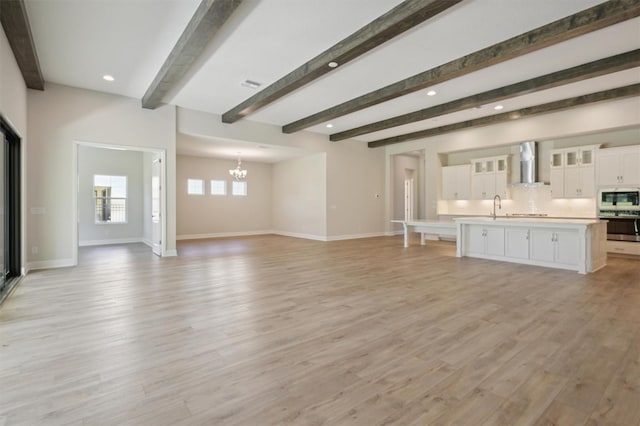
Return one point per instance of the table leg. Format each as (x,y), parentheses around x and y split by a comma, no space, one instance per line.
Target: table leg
(406,235)
(422,238)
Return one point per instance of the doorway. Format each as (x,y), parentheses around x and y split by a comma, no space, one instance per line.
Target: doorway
(409,195)
(10,209)
(144,198)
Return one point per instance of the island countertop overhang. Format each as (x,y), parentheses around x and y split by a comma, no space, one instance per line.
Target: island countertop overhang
(529,221)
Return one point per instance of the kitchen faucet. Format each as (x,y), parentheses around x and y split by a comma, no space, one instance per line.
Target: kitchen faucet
(497,197)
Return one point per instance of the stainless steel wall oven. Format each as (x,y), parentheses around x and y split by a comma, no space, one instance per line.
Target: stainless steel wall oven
(621,207)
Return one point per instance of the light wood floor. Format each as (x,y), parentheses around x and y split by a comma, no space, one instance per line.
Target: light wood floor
(275,330)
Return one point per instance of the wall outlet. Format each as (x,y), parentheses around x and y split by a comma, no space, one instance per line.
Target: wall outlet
(34,250)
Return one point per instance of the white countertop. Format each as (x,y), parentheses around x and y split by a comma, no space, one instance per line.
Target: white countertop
(528,221)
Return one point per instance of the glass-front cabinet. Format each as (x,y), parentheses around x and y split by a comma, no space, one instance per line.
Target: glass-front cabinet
(573,172)
(489,177)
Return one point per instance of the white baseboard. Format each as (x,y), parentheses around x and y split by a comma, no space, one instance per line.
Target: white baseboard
(87,243)
(284,234)
(170,253)
(221,235)
(355,236)
(49,264)
(147,242)
(297,235)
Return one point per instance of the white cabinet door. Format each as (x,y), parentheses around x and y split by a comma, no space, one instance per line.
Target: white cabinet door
(475,238)
(455,183)
(587,182)
(579,182)
(572,182)
(463,182)
(608,168)
(484,240)
(516,242)
(567,246)
(542,245)
(449,185)
(483,187)
(631,167)
(495,240)
(501,185)
(557,182)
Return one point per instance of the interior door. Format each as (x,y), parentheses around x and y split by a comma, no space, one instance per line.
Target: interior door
(156,223)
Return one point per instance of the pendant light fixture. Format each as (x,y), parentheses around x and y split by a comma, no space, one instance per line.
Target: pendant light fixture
(238,173)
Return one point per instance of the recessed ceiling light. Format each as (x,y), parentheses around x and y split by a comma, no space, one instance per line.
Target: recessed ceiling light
(108,77)
(431,93)
(498,107)
(332,64)
(250,84)
(329,126)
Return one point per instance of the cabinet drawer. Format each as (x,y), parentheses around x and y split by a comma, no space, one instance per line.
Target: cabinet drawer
(623,247)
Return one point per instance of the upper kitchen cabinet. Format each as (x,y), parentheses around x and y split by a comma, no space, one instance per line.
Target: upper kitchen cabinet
(489,177)
(619,166)
(573,172)
(456,182)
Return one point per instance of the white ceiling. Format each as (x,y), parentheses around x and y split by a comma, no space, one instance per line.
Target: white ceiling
(78,41)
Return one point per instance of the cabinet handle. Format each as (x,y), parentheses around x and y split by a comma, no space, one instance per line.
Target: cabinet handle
(528,234)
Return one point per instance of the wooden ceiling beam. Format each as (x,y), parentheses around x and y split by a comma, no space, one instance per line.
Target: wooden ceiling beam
(593,69)
(600,16)
(606,95)
(401,18)
(203,26)
(13,15)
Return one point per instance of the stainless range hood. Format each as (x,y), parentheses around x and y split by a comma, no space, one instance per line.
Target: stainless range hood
(528,165)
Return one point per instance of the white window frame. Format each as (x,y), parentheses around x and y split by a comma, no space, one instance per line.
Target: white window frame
(212,185)
(241,184)
(189,180)
(104,199)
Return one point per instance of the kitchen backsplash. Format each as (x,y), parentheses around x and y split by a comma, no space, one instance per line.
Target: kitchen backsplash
(524,200)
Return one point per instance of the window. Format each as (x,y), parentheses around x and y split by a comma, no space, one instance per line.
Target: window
(110,193)
(239,188)
(218,187)
(195,187)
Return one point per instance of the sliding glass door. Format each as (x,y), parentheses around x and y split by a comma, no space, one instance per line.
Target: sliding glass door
(3,214)
(10,233)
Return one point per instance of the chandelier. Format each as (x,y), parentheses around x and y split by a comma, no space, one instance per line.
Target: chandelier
(238,173)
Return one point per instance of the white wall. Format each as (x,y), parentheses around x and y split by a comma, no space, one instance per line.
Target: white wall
(57,118)
(585,120)
(202,216)
(355,190)
(13,91)
(98,161)
(353,175)
(13,108)
(299,197)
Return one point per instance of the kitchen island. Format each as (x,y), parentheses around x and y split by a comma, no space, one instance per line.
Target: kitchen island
(575,244)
